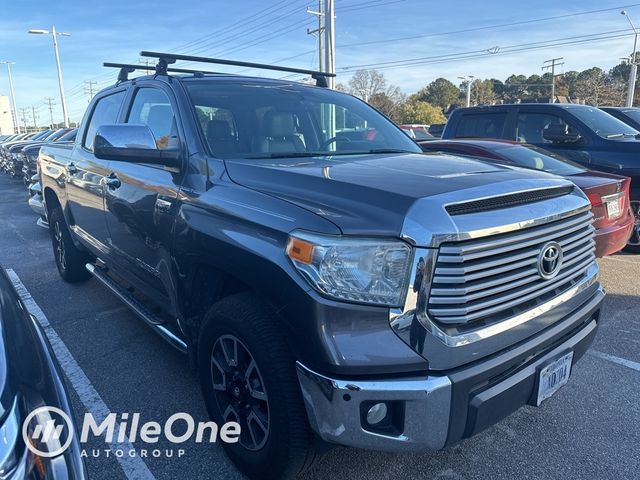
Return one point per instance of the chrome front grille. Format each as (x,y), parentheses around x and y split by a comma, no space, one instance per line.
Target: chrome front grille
(493,278)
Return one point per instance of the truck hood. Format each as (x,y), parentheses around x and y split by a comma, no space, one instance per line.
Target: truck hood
(369,194)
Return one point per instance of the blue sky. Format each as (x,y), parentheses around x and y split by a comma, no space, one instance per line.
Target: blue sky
(116,30)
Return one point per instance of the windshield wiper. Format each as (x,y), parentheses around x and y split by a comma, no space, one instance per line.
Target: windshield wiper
(384,150)
(287,155)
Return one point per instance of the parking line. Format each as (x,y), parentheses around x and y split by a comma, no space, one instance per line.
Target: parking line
(134,467)
(612,358)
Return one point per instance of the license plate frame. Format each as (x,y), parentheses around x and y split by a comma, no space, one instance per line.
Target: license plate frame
(614,205)
(553,376)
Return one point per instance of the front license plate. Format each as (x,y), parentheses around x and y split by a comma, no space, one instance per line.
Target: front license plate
(613,209)
(554,376)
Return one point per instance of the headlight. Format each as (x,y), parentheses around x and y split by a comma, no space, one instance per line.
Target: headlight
(364,270)
(9,437)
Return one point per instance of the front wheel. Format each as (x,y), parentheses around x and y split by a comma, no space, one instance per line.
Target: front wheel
(248,376)
(634,242)
(70,260)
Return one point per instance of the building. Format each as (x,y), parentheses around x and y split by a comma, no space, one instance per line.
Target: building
(6,119)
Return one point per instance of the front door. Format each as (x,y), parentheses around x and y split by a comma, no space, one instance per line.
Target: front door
(140,200)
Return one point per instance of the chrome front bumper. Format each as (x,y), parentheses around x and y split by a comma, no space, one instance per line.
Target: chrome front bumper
(333,408)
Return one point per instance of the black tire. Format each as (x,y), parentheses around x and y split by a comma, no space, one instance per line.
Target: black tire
(287,449)
(70,260)
(634,242)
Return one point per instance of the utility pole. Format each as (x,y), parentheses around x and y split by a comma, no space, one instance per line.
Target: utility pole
(330,41)
(631,88)
(89,88)
(35,117)
(24,112)
(468,79)
(14,114)
(318,31)
(50,103)
(552,64)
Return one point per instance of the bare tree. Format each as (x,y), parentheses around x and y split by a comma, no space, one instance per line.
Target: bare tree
(367,83)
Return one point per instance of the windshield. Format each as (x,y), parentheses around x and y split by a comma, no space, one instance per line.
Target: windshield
(632,113)
(42,134)
(539,159)
(603,124)
(256,120)
(70,136)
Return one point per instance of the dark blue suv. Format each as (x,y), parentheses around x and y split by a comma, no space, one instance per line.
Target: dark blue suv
(581,133)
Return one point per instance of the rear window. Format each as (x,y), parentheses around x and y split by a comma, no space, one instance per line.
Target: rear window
(481,125)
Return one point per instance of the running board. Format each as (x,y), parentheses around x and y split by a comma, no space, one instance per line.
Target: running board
(149,318)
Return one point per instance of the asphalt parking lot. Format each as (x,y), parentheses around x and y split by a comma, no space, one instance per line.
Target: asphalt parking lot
(589,429)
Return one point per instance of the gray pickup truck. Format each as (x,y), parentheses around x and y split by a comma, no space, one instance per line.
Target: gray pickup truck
(330,283)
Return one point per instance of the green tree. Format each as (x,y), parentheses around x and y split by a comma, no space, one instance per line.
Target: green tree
(416,111)
(482,92)
(440,92)
(514,88)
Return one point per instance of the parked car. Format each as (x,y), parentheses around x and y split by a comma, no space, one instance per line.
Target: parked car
(628,115)
(16,158)
(416,132)
(347,287)
(435,129)
(32,177)
(8,149)
(583,134)
(30,378)
(608,193)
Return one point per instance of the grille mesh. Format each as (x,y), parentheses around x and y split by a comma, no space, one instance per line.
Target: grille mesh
(492,278)
(506,201)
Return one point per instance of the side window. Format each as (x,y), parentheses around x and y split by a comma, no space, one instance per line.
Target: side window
(105,112)
(531,125)
(151,107)
(481,125)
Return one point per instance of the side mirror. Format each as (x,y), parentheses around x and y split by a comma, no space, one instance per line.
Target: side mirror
(560,133)
(132,143)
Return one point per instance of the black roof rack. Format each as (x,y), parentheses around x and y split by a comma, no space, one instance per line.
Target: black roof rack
(165,59)
(127,68)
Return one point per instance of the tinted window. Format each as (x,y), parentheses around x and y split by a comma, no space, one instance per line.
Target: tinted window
(254,120)
(481,125)
(530,126)
(603,124)
(105,112)
(152,107)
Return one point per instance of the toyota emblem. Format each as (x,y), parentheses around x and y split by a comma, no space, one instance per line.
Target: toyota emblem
(550,260)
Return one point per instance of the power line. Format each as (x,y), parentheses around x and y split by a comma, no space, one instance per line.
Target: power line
(552,64)
(487,27)
(493,51)
(89,88)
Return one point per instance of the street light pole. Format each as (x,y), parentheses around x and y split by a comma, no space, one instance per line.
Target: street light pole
(631,88)
(55,35)
(14,116)
(468,79)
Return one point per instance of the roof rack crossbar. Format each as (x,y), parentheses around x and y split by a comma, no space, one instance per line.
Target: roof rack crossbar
(319,77)
(126,68)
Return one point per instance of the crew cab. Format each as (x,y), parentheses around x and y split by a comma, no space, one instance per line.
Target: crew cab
(581,133)
(325,285)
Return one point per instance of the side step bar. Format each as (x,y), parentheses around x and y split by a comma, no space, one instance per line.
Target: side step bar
(149,318)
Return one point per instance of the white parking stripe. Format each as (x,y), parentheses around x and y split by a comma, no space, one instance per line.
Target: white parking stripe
(612,358)
(133,467)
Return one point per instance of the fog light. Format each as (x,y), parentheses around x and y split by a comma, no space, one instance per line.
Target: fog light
(377,413)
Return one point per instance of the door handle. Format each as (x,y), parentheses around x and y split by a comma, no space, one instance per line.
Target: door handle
(71,168)
(112,182)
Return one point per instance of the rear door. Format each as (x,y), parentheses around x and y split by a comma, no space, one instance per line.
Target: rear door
(85,176)
(531,122)
(140,204)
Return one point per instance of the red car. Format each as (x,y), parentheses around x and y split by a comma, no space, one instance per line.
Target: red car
(609,194)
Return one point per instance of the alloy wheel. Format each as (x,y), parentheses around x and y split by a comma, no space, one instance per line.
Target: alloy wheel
(635,236)
(240,391)
(60,251)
